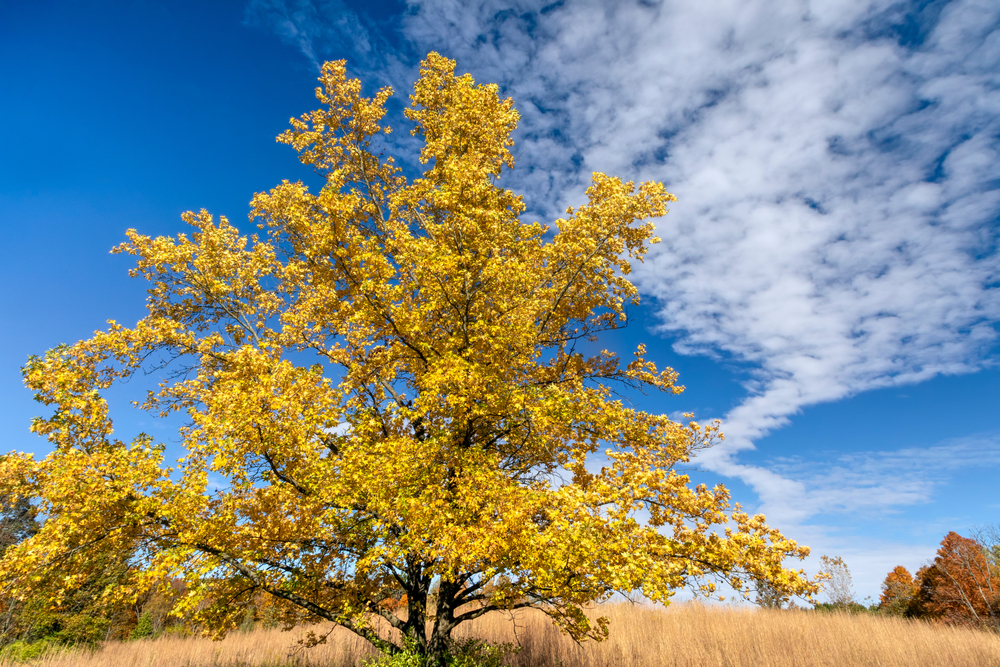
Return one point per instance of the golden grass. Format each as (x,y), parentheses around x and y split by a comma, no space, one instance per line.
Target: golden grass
(683,636)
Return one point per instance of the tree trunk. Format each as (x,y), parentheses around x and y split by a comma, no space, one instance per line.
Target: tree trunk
(444,623)
(414,631)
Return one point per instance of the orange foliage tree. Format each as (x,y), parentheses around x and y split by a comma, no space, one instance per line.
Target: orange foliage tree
(898,592)
(961,585)
(447,430)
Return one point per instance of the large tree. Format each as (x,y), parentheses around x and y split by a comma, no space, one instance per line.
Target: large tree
(389,391)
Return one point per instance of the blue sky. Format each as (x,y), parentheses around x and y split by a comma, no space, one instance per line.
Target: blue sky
(828,281)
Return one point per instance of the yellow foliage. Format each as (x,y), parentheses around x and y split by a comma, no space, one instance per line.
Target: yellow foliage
(389,383)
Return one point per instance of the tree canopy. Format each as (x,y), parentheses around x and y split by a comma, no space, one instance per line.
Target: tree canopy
(390,384)
(898,591)
(962,584)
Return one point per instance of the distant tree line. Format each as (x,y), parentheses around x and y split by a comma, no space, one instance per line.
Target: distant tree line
(961,586)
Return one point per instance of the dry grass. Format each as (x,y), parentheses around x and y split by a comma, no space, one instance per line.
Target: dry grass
(684,635)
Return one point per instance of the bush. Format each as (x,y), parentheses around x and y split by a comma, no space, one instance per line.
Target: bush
(462,653)
(144,630)
(849,608)
(477,653)
(61,629)
(248,623)
(22,651)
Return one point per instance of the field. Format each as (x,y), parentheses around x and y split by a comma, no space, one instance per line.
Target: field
(683,636)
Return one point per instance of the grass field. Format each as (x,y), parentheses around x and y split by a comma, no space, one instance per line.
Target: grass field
(682,636)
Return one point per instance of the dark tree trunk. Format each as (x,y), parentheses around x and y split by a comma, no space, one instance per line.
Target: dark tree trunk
(416,620)
(444,623)
(417,589)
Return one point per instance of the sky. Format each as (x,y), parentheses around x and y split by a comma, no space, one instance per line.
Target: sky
(828,283)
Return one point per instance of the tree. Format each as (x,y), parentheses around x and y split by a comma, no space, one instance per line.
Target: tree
(838,587)
(79,614)
(962,584)
(769,597)
(447,428)
(17,523)
(898,592)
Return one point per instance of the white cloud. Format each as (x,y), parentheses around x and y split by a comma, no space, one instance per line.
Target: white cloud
(838,191)
(878,482)
(837,221)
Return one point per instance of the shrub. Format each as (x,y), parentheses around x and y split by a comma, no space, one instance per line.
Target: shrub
(848,608)
(467,652)
(144,629)
(23,651)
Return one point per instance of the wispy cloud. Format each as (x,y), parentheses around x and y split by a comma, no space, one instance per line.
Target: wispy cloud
(879,482)
(836,168)
(329,30)
(320,30)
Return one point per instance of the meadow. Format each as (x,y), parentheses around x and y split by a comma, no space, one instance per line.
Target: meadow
(684,635)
